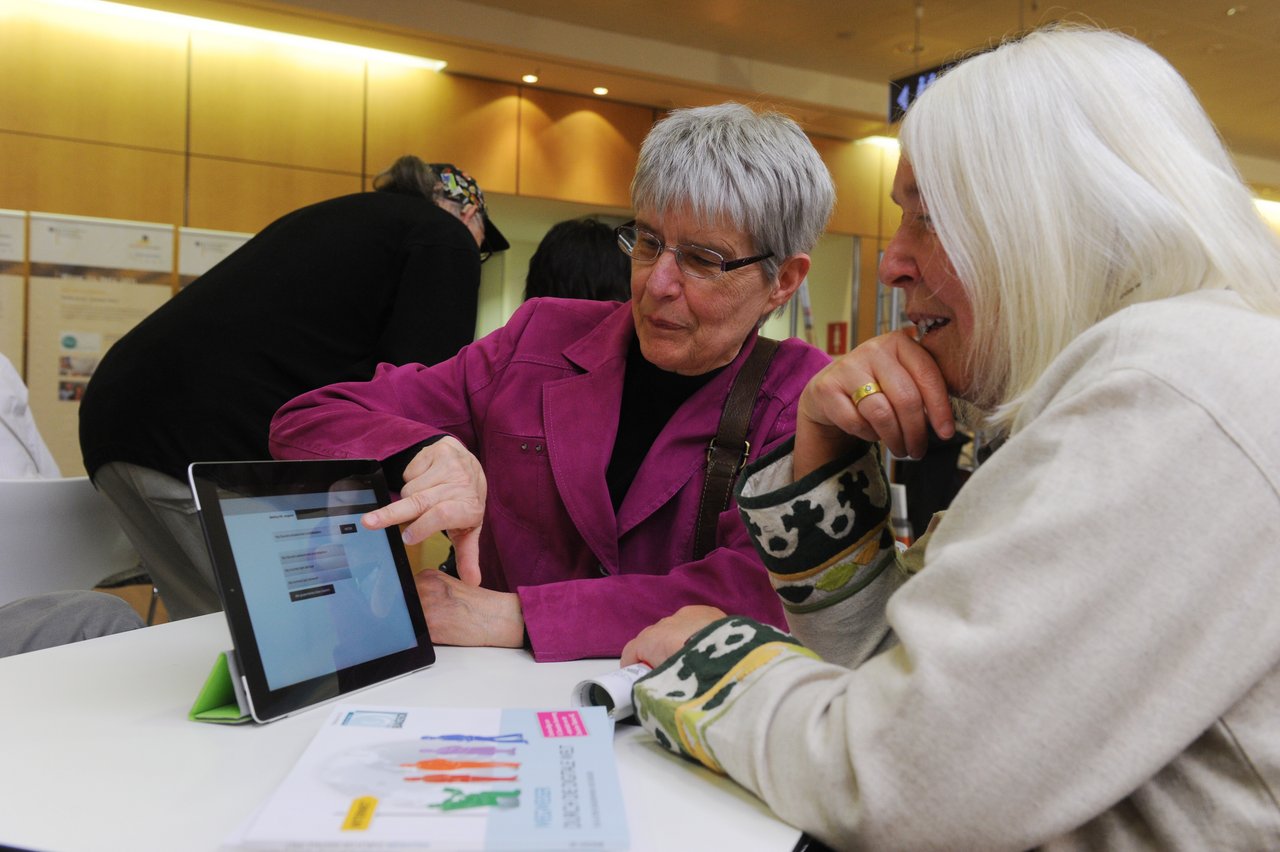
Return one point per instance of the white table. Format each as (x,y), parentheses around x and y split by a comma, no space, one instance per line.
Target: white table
(97,753)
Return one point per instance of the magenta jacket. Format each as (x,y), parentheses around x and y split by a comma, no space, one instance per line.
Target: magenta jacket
(537,402)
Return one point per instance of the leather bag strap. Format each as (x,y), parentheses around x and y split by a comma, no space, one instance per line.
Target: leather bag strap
(728,450)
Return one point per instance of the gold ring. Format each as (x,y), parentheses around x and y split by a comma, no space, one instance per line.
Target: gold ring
(865,391)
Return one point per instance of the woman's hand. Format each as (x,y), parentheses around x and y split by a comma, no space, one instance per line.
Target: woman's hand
(912,395)
(658,641)
(444,489)
(458,614)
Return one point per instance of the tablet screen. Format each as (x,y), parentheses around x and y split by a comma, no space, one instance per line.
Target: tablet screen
(317,604)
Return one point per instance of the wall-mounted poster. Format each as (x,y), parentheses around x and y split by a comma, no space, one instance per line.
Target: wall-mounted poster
(13,261)
(91,280)
(199,250)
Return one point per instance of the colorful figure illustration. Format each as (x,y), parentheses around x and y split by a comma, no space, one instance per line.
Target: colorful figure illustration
(457,800)
(457,779)
(473,738)
(446,764)
(480,750)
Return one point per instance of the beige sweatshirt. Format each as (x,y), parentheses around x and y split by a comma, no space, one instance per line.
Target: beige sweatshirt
(1090,657)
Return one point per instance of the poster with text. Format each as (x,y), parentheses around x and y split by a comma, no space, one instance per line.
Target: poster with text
(200,250)
(91,280)
(13,261)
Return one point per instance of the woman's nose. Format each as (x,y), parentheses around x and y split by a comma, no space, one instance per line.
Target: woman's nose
(665,275)
(898,265)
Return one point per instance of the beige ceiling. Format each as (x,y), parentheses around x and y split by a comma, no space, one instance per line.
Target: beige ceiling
(831,60)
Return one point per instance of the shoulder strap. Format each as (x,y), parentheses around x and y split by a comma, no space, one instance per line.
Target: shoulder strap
(727,452)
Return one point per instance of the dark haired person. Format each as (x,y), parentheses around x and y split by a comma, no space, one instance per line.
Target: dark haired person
(579,259)
(323,294)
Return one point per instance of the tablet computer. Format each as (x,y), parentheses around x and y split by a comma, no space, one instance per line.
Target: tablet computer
(318,606)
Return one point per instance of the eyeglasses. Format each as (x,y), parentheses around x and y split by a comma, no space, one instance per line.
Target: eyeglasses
(644,247)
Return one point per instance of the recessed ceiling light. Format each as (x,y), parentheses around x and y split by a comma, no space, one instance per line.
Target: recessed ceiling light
(1268,208)
(886,142)
(530,78)
(600,90)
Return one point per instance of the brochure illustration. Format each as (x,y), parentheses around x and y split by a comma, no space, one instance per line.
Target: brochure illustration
(437,778)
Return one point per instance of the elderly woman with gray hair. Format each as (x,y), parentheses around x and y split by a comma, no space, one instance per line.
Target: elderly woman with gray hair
(566,454)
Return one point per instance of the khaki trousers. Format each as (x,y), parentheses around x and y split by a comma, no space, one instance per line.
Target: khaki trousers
(159,516)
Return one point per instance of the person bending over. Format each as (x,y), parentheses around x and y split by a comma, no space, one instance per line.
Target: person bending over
(323,294)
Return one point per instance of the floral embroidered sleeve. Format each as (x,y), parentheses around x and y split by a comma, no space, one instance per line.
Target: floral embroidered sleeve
(824,539)
(675,701)
(831,557)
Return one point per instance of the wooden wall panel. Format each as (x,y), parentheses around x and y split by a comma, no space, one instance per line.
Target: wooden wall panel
(443,119)
(890,214)
(251,100)
(88,179)
(861,192)
(91,76)
(233,196)
(579,149)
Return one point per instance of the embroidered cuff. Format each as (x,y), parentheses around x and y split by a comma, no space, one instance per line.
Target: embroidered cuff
(680,700)
(824,537)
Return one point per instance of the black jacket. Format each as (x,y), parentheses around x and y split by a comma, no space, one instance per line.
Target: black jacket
(321,295)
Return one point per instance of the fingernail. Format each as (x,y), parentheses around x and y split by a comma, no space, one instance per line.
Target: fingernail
(407,537)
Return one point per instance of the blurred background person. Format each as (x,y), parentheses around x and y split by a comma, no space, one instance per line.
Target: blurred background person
(579,259)
(23,453)
(43,621)
(323,294)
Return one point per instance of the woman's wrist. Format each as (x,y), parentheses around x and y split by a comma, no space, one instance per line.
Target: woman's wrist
(817,444)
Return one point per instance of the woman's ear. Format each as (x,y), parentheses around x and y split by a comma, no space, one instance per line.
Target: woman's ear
(791,274)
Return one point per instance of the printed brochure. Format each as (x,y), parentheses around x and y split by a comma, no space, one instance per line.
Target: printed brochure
(410,778)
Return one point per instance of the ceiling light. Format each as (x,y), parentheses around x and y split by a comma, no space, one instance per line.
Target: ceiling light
(530,78)
(886,142)
(239,30)
(1269,209)
(600,90)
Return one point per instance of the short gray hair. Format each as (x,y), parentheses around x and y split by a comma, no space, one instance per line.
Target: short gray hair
(753,170)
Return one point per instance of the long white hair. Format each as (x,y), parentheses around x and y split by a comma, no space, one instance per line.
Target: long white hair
(1070,173)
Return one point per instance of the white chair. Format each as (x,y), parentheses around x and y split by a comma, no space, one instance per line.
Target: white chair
(57,535)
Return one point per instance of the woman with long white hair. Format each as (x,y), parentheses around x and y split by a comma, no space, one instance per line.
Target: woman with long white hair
(1084,650)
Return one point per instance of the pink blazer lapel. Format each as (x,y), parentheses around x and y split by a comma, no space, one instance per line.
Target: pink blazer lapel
(580,415)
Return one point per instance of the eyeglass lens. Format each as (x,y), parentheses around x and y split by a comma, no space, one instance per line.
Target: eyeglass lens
(645,247)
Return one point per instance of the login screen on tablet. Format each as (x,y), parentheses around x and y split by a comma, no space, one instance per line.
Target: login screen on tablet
(322,591)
